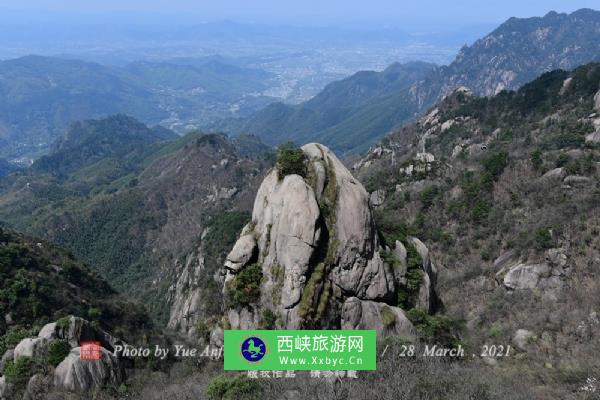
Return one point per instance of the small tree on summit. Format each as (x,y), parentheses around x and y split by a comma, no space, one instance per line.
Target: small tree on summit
(290,160)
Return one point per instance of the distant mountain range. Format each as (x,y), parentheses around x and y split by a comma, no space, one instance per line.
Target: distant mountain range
(337,105)
(368,105)
(119,140)
(128,199)
(41,96)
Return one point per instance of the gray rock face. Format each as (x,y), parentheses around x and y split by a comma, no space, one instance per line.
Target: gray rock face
(523,338)
(186,296)
(78,329)
(3,387)
(503,260)
(78,375)
(73,330)
(243,319)
(8,355)
(556,173)
(593,137)
(377,198)
(361,314)
(524,276)
(242,253)
(216,336)
(48,331)
(549,274)
(29,347)
(427,297)
(72,373)
(576,180)
(316,242)
(37,388)
(285,217)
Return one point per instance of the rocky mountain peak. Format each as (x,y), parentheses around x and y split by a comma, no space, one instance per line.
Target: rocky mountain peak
(312,255)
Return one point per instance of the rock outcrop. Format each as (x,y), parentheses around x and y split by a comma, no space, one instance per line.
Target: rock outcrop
(3,387)
(77,375)
(549,274)
(594,137)
(30,347)
(8,355)
(361,314)
(522,338)
(185,295)
(74,330)
(72,373)
(322,262)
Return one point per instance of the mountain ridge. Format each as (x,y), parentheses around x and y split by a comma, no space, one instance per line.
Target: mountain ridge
(41,96)
(517,51)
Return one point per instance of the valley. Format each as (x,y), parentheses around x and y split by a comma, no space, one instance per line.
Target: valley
(454,209)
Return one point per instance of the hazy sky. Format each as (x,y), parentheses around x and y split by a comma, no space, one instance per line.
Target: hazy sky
(331,11)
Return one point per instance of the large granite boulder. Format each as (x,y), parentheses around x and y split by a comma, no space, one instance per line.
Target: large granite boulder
(30,347)
(242,253)
(315,241)
(74,330)
(364,314)
(72,373)
(523,276)
(77,375)
(551,273)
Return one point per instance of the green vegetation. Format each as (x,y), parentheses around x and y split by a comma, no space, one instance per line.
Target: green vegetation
(63,323)
(226,387)
(562,160)
(495,164)
(428,196)
(290,160)
(348,115)
(268,319)
(222,232)
(536,159)
(245,287)
(11,337)
(277,274)
(220,235)
(57,351)
(203,330)
(543,238)
(388,318)
(478,191)
(117,206)
(41,283)
(437,329)
(408,295)
(310,294)
(83,90)
(19,372)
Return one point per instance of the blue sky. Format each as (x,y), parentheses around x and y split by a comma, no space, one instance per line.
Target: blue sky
(310,11)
